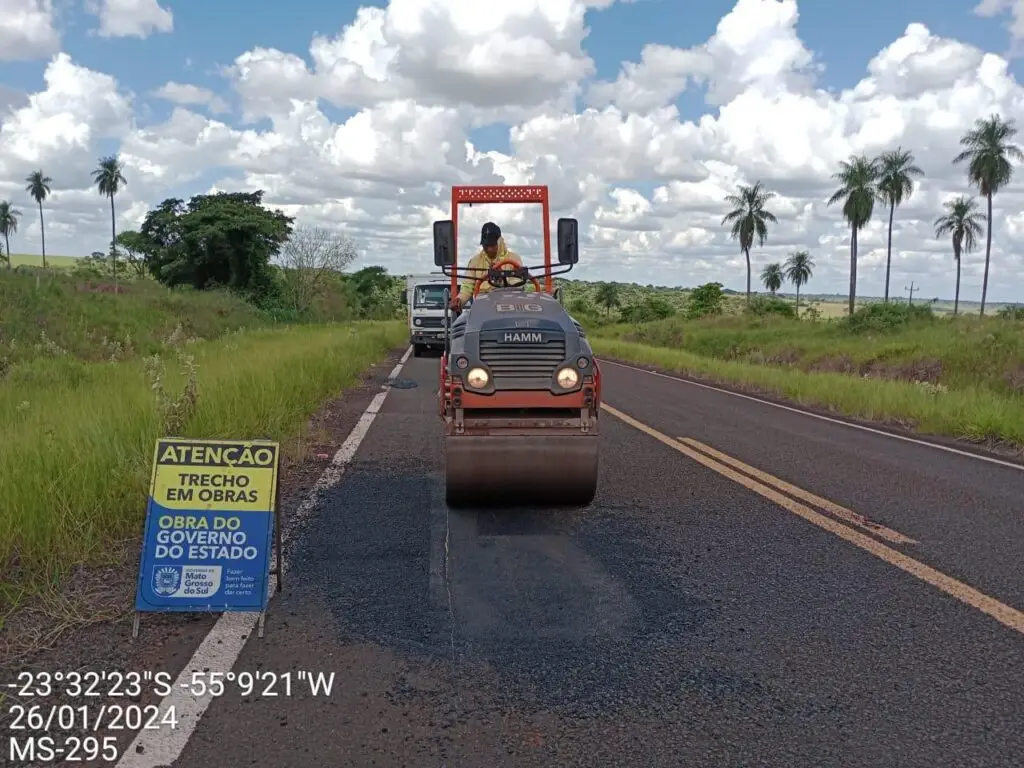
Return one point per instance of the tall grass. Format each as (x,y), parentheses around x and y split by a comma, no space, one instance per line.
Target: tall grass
(67,315)
(78,437)
(882,341)
(972,412)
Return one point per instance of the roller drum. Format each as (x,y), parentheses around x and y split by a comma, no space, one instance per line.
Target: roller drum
(520,470)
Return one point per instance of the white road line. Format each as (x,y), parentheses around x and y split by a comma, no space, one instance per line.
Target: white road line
(221,648)
(883,433)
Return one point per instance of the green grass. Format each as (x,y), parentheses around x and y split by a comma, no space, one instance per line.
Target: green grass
(893,378)
(50,312)
(959,353)
(36,260)
(78,436)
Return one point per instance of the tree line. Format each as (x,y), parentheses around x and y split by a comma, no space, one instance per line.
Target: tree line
(226,240)
(231,240)
(175,244)
(986,155)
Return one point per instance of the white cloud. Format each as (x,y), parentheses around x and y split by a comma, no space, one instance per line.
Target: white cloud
(499,55)
(130,18)
(59,128)
(662,74)
(185,95)
(754,46)
(28,30)
(989,8)
(646,183)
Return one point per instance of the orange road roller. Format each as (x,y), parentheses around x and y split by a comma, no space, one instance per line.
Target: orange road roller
(520,391)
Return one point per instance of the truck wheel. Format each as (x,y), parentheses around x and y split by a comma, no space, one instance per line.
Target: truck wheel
(417,350)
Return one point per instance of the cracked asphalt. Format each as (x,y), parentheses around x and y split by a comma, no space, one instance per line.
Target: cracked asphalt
(681,620)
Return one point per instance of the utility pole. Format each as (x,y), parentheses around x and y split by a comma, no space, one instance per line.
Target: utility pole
(910,288)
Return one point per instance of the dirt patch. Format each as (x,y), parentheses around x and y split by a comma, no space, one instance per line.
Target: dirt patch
(1014,378)
(90,287)
(834,364)
(784,358)
(673,338)
(85,625)
(928,370)
(787,356)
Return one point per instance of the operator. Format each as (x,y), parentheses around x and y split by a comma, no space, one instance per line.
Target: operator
(493,250)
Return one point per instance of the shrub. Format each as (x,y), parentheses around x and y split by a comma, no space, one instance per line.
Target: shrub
(880,318)
(769,305)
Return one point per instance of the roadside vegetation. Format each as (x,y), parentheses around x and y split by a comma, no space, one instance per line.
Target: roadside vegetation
(910,365)
(958,377)
(78,436)
(220,317)
(921,364)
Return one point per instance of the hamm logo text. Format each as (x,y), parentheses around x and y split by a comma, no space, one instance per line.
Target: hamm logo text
(520,337)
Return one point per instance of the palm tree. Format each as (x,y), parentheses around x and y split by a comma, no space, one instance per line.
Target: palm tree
(895,184)
(39,187)
(962,221)
(772,277)
(859,179)
(109,179)
(749,218)
(8,225)
(989,151)
(799,270)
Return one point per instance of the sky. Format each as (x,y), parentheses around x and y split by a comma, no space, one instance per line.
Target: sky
(639,115)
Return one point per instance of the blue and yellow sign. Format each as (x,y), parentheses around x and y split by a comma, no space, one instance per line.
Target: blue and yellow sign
(209,526)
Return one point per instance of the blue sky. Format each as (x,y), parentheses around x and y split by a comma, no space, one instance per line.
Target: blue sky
(844,37)
(208,36)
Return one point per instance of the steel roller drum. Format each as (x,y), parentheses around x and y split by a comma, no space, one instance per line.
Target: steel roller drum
(520,470)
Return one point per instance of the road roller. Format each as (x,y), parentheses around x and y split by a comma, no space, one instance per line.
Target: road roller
(520,390)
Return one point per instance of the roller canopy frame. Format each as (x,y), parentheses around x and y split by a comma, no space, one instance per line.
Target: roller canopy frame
(446,254)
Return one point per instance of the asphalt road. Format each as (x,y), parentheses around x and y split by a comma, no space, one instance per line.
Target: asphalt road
(683,620)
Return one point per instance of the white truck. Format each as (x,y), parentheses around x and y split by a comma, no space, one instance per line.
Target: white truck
(425,303)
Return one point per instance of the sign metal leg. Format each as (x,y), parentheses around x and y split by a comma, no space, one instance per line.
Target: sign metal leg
(278,536)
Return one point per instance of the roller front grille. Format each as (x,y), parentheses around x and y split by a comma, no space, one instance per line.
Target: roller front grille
(522,366)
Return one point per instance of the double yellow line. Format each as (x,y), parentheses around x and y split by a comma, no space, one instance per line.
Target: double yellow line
(775,490)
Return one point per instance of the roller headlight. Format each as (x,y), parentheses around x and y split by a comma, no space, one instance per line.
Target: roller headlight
(582,363)
(568,378)
(477,378)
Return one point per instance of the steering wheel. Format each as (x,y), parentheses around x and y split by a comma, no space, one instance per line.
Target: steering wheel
(495,271)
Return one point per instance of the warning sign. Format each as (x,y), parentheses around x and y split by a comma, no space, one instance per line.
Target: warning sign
(209,526)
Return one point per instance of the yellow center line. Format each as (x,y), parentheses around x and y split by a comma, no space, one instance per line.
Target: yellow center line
(824,504)
(1004,614)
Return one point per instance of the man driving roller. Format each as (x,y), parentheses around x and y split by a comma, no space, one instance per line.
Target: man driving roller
(493,250)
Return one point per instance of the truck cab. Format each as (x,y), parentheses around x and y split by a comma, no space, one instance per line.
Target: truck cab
(426,299)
